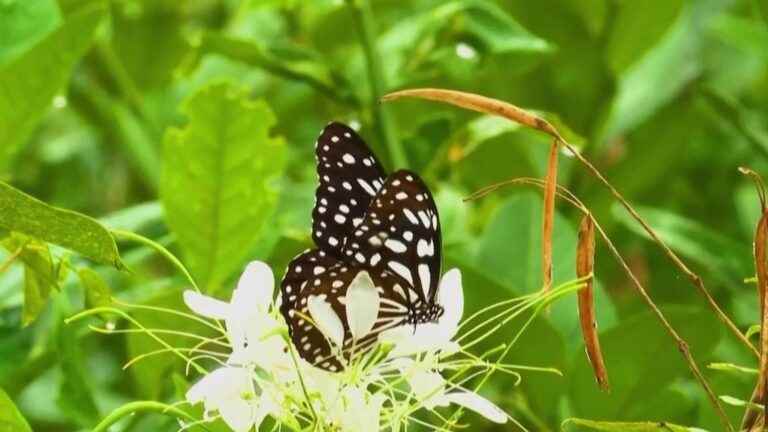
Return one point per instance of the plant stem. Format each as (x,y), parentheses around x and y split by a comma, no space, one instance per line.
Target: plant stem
(132,408)
(131,236)
(361,9)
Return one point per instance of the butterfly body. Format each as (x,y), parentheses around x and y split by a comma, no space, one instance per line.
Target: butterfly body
(386,226)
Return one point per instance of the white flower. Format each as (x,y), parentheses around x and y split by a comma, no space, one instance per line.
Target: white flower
(361,411)
(228,391)
(251,328)
(408,340)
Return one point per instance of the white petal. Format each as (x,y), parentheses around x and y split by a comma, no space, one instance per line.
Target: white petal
(478,404)
(426,385)
(362,305)
(326,319)
(255,287)
(206,306)
(238,414)
(218,386)
(408,341)
(451,297)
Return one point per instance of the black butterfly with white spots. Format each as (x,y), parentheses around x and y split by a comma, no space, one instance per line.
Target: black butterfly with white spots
(363,221)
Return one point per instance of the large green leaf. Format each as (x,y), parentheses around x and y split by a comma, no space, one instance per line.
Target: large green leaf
(636,27)
(22,213)
(11,419)
(509,252)
(217,178)
(75,396)
(663,72)
(643,361)
(726,257)
(29,83)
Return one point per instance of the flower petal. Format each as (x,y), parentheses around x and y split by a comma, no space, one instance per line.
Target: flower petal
(423,338)
(362,303)
(451,297)
(255,288)
(328,322)
(478,404)
(206,306)
(238,414)
(218,386)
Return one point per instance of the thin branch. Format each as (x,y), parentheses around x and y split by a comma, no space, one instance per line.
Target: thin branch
(682,345)
(695,279)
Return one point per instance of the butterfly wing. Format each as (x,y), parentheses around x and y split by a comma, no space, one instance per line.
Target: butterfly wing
(400,234)
(349,178)
(331,285)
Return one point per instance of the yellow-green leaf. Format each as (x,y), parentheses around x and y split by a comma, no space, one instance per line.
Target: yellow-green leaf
(24,214)
(217,181)
(11,419)
(97,292)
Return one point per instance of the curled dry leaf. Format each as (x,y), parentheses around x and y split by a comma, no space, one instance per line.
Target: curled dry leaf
(753,417)
(479,103)
(550,187)
(585,263)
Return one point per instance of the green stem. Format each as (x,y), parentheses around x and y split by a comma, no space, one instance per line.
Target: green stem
(363,15)
(131,236)
(132,408)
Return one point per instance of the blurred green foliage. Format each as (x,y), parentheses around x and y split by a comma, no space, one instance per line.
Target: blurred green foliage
(667,98)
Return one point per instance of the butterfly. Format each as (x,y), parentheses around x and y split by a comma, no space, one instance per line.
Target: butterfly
(363,221)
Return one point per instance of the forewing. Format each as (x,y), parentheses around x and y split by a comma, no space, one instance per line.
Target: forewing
(400,234)
(349,178)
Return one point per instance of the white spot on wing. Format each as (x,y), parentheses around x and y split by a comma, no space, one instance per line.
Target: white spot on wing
(401,270)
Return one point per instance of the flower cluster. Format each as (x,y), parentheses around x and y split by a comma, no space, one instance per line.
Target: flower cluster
(406,372)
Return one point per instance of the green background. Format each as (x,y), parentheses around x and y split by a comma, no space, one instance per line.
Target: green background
(193,123)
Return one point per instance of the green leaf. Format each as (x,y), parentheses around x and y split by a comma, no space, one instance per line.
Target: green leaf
(41,276)
(23,23)
(635,29)
(644,362)
(75,396)
(730,367)
(509,252)
(413,39)
(29,83)
(11,419)
(725,257)
(663,72)
(216,186)
(97,292)
(22,213)
(628,426)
